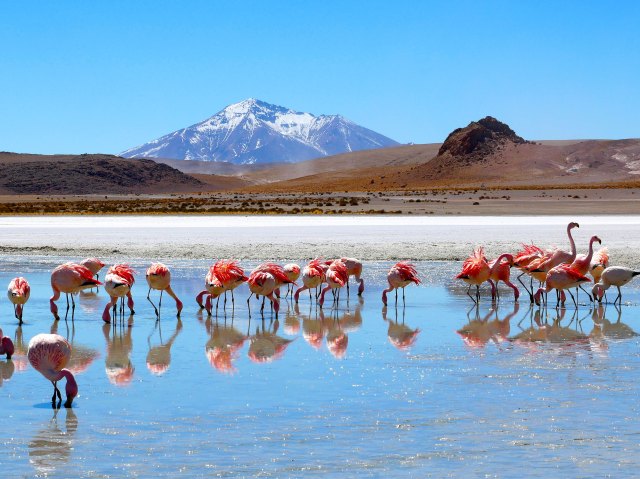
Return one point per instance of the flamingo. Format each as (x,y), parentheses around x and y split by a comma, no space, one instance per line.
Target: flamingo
(69,278)
(561,277)
(94,265)
(18,293)
(312,277)
(6,346)
(231,275)
(117,284)
(49,354)
(501,271)
(400,276)
(582,263)
(475,271)
(599,263)
(613,276)
(264,280)
(522,259)
(336,276)
(292,271)
(213,289)
(354,268)
(159,278)
(559,256)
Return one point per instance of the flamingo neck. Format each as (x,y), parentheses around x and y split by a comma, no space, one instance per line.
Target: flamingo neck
(573,244)
(590,255)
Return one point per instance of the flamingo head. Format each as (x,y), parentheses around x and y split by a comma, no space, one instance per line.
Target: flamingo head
(598,292)
(573,225)
(71,388)
(595,238)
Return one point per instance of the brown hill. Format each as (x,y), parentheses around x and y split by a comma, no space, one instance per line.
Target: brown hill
(87,174)
(485,152)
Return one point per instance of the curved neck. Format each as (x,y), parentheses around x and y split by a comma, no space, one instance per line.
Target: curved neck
(71,387)
(590,255)
(500,258)
(573,244)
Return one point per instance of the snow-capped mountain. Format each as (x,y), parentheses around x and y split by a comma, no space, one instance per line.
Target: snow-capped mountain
(253,131)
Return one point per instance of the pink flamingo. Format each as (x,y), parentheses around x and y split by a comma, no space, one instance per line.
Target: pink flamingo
(264,281)
(400,275)
(582,263)
(213,288)
(522,259)
(599,263)
(292,271)
(6,346)
(94,265)
(312,277)
(69,278)
(336,276)
(561,278)
(159,278)
(475,271)
(354,268)
(18,293)
(49,354)
(501,271)
(117,284)
(231,275)
(559,256)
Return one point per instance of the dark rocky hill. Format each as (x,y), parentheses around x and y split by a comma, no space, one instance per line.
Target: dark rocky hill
(87,174)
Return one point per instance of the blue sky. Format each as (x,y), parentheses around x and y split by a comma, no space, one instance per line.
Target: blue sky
(105,76)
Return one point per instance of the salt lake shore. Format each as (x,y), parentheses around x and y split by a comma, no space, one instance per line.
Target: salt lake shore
(370,238)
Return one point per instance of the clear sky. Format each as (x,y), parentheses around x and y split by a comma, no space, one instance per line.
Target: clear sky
(103,76)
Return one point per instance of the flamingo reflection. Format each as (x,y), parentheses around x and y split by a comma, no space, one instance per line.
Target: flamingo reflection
(603,328)
(479,331)
(400,335)
(118,365)
(159,357)
(81,356)
(541,330)
(266,346)
(223,345)
(7,369)
(51,446)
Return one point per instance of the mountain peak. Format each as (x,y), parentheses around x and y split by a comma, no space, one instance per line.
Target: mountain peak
(254,131)
(479,137)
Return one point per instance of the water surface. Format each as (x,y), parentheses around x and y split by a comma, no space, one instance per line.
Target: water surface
(437,388)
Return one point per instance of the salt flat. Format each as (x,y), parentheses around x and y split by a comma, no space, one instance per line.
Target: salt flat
(300,237)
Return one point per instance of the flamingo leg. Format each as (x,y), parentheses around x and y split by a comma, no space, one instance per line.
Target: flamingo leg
(152,304)
(160,302)
(619,297)
(525,287)
(469,294)
(591,300)
(403,301)
(575,303)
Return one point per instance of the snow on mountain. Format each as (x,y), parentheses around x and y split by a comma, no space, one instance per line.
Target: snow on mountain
(253,131)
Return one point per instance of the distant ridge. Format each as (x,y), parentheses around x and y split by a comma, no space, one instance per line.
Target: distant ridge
(255,132)
(89,174)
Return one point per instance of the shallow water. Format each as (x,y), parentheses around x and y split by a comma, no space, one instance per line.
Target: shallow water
(435,389)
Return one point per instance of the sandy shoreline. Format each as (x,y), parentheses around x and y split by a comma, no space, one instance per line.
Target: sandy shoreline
(372,238)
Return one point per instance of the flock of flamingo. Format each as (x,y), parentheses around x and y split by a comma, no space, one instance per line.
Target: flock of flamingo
(555,269)
(49,353)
